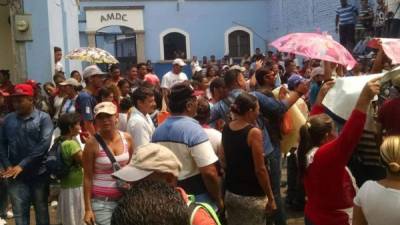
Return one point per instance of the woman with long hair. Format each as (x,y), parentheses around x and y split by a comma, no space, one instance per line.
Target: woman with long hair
(322,160)
(248,190)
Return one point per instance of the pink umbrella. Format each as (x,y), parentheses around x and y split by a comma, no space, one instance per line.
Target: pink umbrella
(315,46)
(391,47)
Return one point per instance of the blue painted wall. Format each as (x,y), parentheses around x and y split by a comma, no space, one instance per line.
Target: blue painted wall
(205,21)
(54,23)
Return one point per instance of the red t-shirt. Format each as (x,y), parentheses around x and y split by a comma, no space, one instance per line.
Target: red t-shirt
(389,116)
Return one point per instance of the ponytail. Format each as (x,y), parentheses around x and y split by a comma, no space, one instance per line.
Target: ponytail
(312,135)
(304,147)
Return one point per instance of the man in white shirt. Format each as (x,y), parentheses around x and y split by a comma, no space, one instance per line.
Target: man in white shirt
(57,60)
(140,126)
(175,75)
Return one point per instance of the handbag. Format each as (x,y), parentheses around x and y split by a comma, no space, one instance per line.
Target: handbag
(121,185)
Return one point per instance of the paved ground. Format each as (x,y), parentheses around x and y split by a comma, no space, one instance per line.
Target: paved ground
(294,218)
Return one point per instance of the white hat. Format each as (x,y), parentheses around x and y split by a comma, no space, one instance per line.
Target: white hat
(237,67)
(179,62)
(148,159)
(91,71)
(70,81)
(317,71)
(105,107)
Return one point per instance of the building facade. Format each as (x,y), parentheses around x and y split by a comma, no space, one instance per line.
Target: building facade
(156,30)
(29,32)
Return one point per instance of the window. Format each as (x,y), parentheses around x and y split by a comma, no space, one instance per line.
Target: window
(239,43)
(120,42)
(174,43)
(174,46)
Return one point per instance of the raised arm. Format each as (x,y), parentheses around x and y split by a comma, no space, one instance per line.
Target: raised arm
(340,150)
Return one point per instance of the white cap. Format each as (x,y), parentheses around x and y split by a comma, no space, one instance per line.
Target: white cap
(105,107)
(179,62)
(237,67)
(70,81)
(91,71)
(317,71)
(148,159)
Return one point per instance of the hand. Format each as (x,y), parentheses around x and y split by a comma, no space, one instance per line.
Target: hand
(271,206)
(89,218)
(12,172)
(259,64)
(283,92)
(326,87)
(371,89)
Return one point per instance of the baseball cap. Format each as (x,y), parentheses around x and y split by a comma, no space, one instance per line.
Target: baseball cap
(33,83)
(179,62)
(148,159)
(23,90)
(70,81)
(295,80)
(105,107)
(91,71)
(317,71)
(237,67)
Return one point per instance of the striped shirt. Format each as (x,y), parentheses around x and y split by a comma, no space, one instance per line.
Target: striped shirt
(347,14)
(188,141)
(104,185)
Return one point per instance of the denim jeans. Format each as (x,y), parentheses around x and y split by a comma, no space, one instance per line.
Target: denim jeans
(274,168)
(23,194)
(3,199)
(103,211)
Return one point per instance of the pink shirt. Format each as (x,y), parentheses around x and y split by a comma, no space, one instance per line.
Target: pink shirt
(104,185)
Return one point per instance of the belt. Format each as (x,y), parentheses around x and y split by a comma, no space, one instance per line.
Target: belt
(105,199)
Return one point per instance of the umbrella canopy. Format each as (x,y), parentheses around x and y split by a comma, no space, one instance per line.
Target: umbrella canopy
(391,47)
(315,46)
(92,55)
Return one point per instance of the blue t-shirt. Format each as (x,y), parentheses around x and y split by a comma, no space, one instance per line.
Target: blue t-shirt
(347,14)
(85,104)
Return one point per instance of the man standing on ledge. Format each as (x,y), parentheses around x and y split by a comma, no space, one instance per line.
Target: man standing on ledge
(346,17)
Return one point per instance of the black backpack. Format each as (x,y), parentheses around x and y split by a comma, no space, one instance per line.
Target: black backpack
(54,162)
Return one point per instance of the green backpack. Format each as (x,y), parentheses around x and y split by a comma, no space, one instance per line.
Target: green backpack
(195,206)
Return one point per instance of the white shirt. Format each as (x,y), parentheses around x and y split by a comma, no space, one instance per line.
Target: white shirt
(57,106)
(379,204)
(59,67)
(123,121)
(215,137)
(169,79)
(140,127)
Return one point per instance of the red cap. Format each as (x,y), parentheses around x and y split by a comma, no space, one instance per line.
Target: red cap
(23,90)
(33,83)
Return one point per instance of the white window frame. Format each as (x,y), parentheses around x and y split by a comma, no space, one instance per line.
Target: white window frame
(174,30)
(236,28)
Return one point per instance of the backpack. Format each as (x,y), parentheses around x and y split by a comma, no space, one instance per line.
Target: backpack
(195,206)
(54,162)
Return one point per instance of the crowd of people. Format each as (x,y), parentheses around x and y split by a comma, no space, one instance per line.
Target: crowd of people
(133,149)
